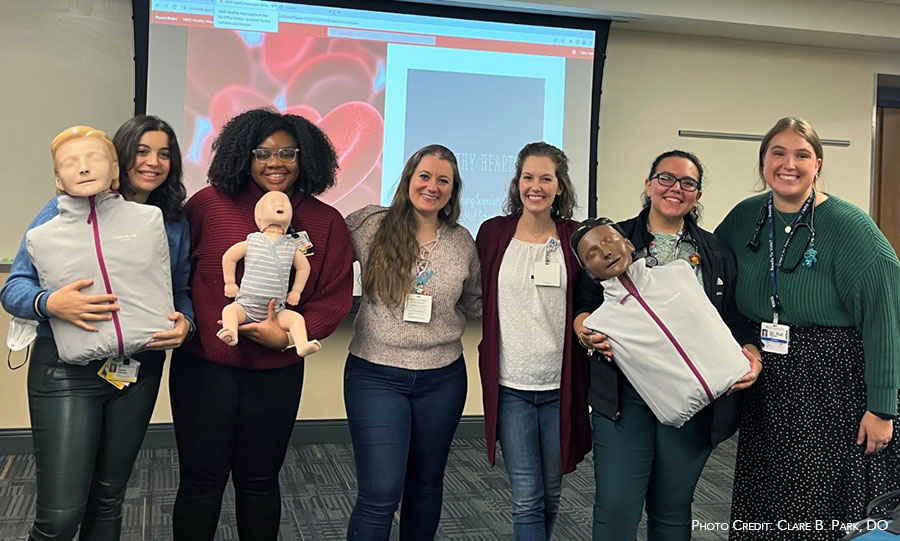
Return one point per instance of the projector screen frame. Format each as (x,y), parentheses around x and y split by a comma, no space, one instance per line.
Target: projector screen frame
(141,19)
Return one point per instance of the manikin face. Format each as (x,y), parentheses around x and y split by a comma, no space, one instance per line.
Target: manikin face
(84,167)
(605,252)
(273,208)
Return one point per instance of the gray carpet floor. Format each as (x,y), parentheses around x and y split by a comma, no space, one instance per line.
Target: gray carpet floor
(319,488)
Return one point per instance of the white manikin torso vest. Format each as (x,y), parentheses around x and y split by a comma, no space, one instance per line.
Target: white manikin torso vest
(123,247)
(674,347)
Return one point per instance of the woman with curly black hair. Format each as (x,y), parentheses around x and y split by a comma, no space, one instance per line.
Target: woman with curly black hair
(234,407)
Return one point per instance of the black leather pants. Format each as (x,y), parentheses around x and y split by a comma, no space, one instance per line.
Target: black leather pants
(86,436)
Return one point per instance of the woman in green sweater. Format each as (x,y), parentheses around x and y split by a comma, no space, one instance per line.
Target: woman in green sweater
(824,284)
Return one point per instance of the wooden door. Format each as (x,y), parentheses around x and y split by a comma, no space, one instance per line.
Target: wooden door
(886,208)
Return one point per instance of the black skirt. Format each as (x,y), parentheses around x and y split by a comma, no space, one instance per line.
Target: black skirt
(800,473)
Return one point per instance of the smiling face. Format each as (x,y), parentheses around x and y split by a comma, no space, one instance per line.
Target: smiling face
(152,162)
(605,252)
(672,203)
(789,167)
(275,174)
(84,167)
(431,185)
(538,185)
(273,208)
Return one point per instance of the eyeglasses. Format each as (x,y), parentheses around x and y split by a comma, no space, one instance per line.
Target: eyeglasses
(688,184)
(286,154)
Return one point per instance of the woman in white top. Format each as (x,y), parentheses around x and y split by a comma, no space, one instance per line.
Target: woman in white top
(534,382)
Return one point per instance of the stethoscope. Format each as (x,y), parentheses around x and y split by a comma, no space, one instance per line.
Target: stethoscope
(809,253)
(684,238)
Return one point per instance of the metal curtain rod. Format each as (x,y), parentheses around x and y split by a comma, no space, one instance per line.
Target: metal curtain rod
(699,134)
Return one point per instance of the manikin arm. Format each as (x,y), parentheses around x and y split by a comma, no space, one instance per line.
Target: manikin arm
(229,264)
(301,265)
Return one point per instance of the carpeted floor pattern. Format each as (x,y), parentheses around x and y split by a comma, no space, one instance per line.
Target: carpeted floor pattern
(319,487)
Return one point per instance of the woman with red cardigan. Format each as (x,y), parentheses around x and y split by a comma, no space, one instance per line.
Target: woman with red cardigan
(534,382)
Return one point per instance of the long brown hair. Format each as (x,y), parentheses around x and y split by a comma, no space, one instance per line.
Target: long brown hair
(388,273)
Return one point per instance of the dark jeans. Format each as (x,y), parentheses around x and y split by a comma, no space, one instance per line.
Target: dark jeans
(528,430)
(230,421)
(402,423)
(87,434)
(638,459)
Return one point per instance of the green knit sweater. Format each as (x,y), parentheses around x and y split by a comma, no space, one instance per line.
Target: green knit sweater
(856,282)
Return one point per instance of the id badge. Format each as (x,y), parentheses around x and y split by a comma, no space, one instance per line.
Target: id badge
(775,338)
(417,309)
(108,377)
(304,244)
(126,373)
(546,273)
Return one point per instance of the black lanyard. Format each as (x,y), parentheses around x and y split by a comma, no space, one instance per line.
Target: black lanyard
(773,269)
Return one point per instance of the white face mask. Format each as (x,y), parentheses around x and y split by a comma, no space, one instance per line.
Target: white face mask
(21,333)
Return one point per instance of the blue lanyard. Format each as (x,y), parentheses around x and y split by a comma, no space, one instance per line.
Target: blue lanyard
(773,269)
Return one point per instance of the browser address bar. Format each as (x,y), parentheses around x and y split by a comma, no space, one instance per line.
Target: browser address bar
(371,35)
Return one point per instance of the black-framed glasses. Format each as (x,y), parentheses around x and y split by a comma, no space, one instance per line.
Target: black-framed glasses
(688,184)
(286,154)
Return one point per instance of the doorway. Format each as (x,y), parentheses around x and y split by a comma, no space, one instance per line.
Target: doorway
(886,189)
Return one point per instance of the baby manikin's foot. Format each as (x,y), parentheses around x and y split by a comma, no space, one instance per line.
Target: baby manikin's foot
(229,336)
(308,348)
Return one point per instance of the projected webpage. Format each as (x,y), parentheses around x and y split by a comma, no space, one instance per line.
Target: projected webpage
(380,85)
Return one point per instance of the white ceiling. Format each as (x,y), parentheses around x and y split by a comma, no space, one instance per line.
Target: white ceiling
(870,25)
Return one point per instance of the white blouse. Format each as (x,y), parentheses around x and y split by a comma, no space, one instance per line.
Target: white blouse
(532,318)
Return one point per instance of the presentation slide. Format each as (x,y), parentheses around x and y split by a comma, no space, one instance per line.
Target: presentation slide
(380,85)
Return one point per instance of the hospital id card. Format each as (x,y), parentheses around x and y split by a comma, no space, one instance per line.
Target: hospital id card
(775,338)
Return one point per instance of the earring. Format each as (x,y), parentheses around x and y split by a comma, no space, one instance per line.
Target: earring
(448,208)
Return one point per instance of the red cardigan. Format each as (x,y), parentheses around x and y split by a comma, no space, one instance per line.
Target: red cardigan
(574,424)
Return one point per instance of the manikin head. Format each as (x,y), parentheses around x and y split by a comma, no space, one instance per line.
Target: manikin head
(602,249)
(274,208)
(84,162)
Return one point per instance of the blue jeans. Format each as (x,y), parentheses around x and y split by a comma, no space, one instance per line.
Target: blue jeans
(528,429)
(637,459)
(402,423)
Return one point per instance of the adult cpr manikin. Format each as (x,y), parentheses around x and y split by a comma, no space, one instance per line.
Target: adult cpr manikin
(666,336)
(120,245)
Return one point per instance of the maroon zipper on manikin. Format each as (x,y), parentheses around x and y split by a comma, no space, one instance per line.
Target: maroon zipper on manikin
(92,219)
(632,290)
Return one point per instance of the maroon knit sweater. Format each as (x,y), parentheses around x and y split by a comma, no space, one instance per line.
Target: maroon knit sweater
(219,221)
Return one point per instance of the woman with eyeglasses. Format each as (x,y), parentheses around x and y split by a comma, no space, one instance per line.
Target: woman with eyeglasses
(405,377)
(234,407)
(639,461)
(822,285)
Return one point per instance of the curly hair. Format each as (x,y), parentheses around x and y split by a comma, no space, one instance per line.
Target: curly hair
(695,212)
(170,195)
(230,166)
(563,204)
(394,249)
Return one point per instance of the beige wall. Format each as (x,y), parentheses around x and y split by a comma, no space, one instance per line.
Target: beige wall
(654,85)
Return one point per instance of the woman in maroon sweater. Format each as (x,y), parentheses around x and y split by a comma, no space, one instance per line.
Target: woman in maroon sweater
(534,382)
(234,407)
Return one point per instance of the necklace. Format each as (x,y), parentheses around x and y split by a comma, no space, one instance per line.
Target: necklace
(787,225)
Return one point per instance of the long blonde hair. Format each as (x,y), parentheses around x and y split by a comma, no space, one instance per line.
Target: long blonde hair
(388,273)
